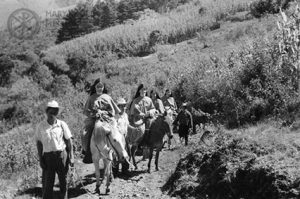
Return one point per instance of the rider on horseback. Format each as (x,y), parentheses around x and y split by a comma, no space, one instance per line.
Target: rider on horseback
(99,104)
(142,111)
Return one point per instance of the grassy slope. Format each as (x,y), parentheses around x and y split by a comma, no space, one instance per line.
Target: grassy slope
(130,38)
(186,54)
(182,57)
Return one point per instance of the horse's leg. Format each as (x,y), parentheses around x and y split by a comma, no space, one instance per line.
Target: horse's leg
(96,160)
(129,152)
(133,150)
(169,143)
(150,158)
(156,159)
(108,173)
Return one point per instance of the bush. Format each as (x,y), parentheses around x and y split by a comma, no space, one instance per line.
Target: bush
(6,68)
(247,87)
(42,75)
(238,165)
(61,86)
(261,7)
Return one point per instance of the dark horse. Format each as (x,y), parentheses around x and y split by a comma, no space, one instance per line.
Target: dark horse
(160,126)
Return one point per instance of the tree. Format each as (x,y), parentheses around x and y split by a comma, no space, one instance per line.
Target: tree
(105,14)
(6,66)
(124,11)
(76,23)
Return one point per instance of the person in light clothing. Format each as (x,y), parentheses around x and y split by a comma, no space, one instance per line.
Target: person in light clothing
(142,111)
(55,150)
(98,103)
(158,104)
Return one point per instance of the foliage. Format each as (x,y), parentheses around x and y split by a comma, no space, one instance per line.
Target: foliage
(86,18)
(288,43)
(239,165)
(61,86)
(6,68)
(261,7)
(246,87)
(76,23)
(133,40)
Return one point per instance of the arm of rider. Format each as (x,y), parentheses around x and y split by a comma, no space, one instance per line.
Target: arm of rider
(138,111)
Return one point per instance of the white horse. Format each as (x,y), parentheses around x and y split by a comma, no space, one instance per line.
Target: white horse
(106,140)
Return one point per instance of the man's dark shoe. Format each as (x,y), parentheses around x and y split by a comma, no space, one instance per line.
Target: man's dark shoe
(87,158)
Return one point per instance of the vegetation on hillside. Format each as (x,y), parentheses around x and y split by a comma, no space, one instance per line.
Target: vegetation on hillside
(86,18)
(255,81)
(261,162)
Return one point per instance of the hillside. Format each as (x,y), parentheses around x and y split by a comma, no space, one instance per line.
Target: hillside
(214,54)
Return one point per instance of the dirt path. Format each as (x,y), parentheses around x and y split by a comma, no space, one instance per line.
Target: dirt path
(137,184)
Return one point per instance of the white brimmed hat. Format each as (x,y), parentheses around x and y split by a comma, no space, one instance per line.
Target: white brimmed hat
(121,101)
(53,104)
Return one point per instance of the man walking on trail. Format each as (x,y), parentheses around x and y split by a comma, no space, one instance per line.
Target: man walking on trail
(185,123)
(55,150)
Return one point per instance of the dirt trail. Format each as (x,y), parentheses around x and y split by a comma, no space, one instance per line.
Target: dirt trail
(137,184)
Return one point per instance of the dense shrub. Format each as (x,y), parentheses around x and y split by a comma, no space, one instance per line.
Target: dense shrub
(247,87)
(261,7)
(61,86)
(42,75)
(238,166)
(6,65)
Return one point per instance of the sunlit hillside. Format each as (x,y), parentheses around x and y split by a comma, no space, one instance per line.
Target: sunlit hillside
(233,59)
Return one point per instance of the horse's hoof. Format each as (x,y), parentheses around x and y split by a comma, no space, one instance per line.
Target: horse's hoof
(107,190)
(97,190)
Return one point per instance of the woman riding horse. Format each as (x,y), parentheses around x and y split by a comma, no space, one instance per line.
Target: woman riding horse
(98,100)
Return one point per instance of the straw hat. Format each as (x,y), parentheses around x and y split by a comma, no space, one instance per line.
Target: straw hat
(121,101)
(53,104)
(184,104)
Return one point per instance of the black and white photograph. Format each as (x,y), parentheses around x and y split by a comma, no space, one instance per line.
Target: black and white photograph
(150,99)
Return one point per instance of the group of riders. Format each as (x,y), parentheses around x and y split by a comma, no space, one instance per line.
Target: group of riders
(54,138)
(141,110)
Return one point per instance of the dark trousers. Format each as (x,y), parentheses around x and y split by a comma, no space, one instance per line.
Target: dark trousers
(56,162)
(183,132)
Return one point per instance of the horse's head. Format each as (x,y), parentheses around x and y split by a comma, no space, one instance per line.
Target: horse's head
(117,142)
(167,124)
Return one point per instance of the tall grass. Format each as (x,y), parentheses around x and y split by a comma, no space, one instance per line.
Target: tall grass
(131,39)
